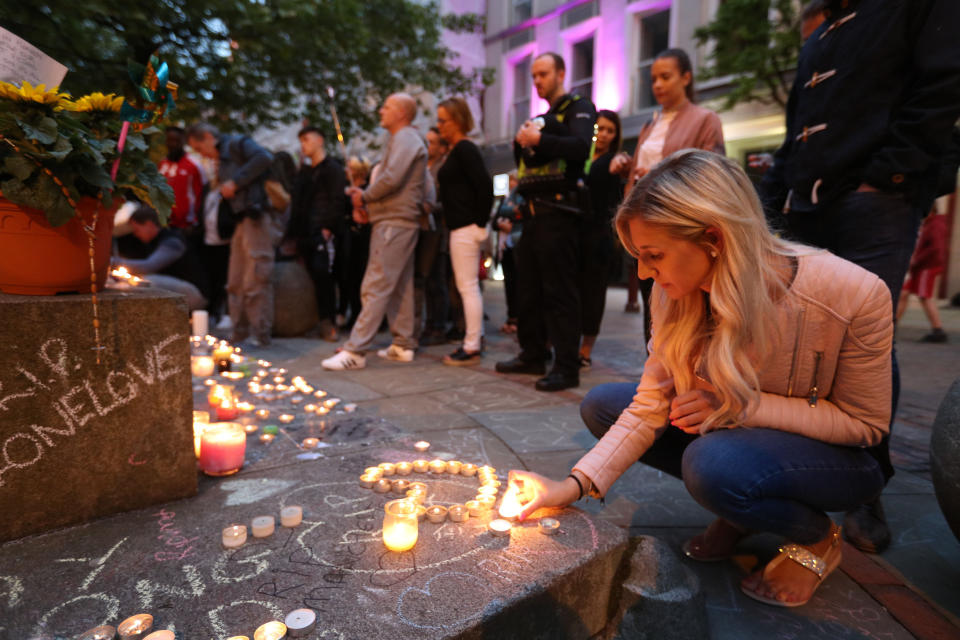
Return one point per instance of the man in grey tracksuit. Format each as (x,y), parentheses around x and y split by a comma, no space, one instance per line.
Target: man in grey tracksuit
(392,204)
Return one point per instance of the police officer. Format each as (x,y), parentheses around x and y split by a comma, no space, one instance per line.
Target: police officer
(551,151)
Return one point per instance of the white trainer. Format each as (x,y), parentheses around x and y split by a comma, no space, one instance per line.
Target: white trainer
(344,360)
(393,352)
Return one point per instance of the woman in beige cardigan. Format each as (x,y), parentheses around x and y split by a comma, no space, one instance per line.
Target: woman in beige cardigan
(767,382)
(678,124)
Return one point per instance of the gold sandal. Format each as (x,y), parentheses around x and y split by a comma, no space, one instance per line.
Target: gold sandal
(823,566)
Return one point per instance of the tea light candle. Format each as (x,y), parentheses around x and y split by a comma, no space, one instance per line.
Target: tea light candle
(330,403)
(382,485)
(438,466)
(135,627)
(367,480)
(350,408)
(232,375)
(310,408)
(403,468)
(245,407)
(437,513)
(210,382)
(422,446)
(310,443)
(285,418)
(291,516)
(500,527)
(454,466)
(399,485)
(374,471)
(300,622)
(468,469)
(548,526)
(250,428)
(388,468)
(486,502)
(279,379)
(272,630)
(422,486)
(262,526)
(281,387)
(227,410)
(474,508)
(487,491)
(267,438)
(416,495)
(487,469)
(458,513)
(163,634)
(222,448)
(296,399)
(421,466)
(202,366)
(322,410)
(263,414)
(496,484)
(319,393)
(104,632)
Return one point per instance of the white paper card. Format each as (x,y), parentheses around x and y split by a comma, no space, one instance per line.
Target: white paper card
(20,60)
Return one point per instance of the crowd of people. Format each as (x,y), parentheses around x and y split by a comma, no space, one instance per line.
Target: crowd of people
(771,381)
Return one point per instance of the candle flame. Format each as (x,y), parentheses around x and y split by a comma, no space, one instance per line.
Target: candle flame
(510,506)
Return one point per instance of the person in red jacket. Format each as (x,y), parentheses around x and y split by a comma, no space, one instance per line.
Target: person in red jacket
(926,264)
(185,179)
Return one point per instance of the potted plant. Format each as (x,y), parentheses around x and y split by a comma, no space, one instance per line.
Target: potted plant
(57,195)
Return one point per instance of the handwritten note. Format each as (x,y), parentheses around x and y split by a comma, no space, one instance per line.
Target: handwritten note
(20,60)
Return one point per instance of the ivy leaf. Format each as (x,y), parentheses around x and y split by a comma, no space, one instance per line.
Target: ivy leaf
(19,167)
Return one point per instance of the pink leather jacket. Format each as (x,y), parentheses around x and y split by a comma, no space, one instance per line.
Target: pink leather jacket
(828,378)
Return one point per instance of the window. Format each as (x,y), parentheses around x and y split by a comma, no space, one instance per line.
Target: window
(654,38)
(578,14)
(522,86)
(581,72)
(522,11)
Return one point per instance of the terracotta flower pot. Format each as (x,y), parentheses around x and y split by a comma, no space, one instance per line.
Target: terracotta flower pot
(37,259)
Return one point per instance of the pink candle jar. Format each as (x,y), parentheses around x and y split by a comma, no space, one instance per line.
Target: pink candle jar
(222,448)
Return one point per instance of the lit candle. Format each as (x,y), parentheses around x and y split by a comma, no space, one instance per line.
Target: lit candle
(279,379)
(222,448)
(486,502)
(454,466)
(458,513)
(381,486)
(421,466)
(200,322)
(437,513)
(263,414)
(262,526)
(487,491)
(310,408)
(163,634)
(388,468)
(403,468)
(330,403)
(422,446)
(222,353)
(201,366)
(300,622)
(548,526)
(250,428)
(210,382)
(217,393)
(320,393)
(438,466)
(468,469)
(227,410)
(367,480)
(232,375)
(285,418)
(296,399)
(135,627)
(310,443)
(350,408)
(281,387)
(291,516)
(421,512)
(272,630)
(416,495)
(374,471)
(487,469)
(322,411)
(200,421)
(267,438)
(422,486)
(245,407)
(510,506)
(474,508)
(400,525)
(105,632)
(399,485)
(500,527)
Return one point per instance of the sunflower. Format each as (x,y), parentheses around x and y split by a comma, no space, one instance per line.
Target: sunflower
(29,93)
(97,102)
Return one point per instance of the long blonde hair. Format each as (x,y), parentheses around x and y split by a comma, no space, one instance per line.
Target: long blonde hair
(686,194)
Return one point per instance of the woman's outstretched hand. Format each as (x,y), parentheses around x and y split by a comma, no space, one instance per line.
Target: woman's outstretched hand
(690,409)
(537,491)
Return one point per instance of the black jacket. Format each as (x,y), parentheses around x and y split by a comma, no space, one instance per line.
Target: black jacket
(247,164)
(875,97)
(317,202)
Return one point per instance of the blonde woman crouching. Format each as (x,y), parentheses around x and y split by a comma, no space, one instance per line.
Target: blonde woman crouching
(767,382)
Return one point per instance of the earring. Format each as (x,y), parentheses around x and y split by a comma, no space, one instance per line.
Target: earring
(713,253)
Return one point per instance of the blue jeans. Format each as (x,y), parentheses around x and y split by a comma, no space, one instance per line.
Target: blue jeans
(758,479)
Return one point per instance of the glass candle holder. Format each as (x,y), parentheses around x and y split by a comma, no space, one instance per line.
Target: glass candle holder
(202,366)
(222,448)
(400,525)
(200,421)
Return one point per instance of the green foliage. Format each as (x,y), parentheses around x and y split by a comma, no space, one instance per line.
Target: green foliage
(253,62)
(756,42)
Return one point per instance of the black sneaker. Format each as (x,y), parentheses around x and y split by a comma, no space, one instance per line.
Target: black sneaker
(516,365)
(937,335)
(555,381)
(461,358)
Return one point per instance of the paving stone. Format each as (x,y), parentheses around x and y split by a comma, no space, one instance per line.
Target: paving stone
(548,429)
(459,581)
(80,439)
(495,395)
(417,413)
(475,445)
(396,379)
